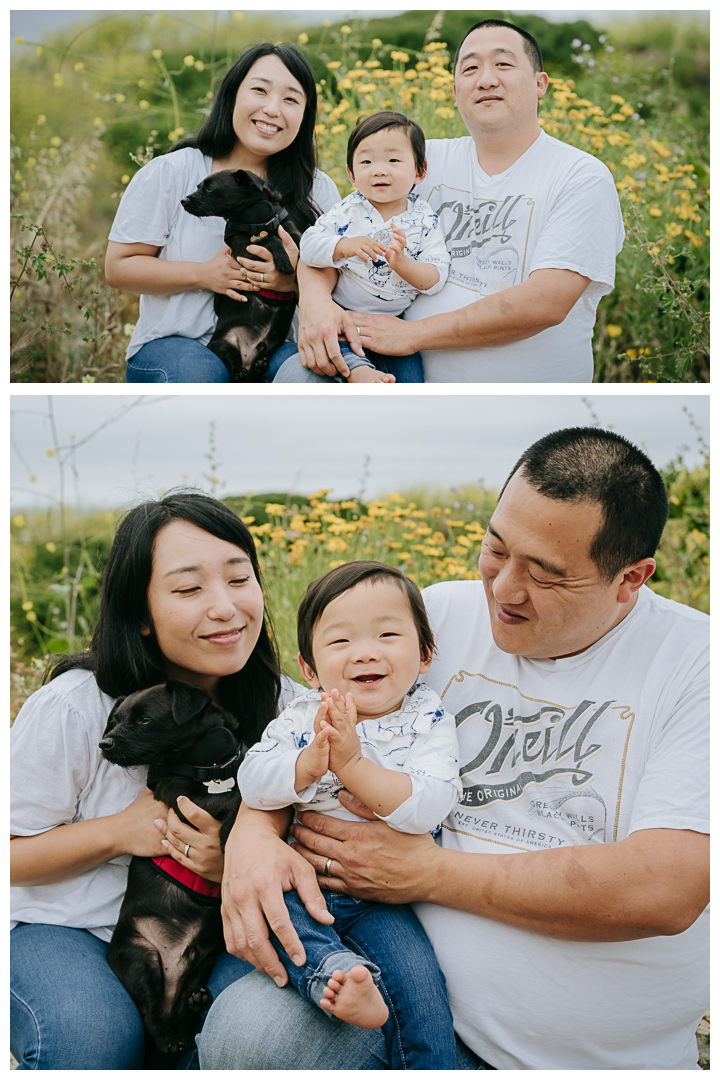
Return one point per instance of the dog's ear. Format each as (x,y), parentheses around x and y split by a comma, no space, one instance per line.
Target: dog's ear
(187,701)
(248,181)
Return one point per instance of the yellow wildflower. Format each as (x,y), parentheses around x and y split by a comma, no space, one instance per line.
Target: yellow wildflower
(401,57)
(50,547)
(333,65)
(673,229)
(57,80)
(617,100)
(654,211)
(31,616)
(275,509)
(303,39)
(613,330)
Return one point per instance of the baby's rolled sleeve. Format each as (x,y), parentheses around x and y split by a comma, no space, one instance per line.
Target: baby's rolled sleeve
(266,777)
(267,780)
(430,803)
(432,250)
(318,243)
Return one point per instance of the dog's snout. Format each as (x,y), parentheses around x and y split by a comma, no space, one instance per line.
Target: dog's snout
(106,744)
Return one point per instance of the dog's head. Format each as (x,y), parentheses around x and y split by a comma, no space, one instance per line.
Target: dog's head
(236,194)
(147,727)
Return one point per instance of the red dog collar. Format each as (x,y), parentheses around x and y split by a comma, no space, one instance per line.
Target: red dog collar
(272,295)
(187,879)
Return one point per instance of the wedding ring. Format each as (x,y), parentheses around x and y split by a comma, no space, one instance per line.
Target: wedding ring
(358,330)
(262,279)
(187,848)
(327,868)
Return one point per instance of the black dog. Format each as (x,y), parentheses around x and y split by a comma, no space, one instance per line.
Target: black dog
(247,334)
(169,932)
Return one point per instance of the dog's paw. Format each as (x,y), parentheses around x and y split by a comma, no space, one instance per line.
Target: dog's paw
(174,1044)
(200,1000)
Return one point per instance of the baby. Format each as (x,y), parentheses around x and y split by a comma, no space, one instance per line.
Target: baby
(368,726)
(383,239)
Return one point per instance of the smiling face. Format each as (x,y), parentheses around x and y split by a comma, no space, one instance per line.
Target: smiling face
(366,643)
(205,604)
(269,109)
(544,592)
(385,170)
(495,86)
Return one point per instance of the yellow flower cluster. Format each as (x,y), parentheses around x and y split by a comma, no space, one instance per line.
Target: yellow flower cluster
(391,530)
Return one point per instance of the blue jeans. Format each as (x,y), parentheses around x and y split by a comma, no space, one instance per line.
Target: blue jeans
(175,360)
(68,1010)
(285,366)
(419,1031)
(255,1024)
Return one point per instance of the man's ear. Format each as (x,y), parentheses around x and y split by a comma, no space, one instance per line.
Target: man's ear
(308,674)
(634,577)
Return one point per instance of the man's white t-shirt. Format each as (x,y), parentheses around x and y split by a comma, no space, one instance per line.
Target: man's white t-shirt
(564,753)
(557,208)
(58,776)
(150,213)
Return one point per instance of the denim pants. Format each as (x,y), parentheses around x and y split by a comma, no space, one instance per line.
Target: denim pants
(68,1010)
(389,941)
(285,366)
(255,1024)
(175,360)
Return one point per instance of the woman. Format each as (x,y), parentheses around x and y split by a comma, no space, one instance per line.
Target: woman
(263,120)
(181,599)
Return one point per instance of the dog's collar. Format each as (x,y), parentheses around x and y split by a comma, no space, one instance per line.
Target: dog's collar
(255,228)
(271,294)
(187,879)
(212,759)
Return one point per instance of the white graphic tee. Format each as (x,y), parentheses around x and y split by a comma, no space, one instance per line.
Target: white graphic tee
(556,208)
(565,753)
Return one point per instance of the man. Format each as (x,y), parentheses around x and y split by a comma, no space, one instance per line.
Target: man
(566,899)
(533,227)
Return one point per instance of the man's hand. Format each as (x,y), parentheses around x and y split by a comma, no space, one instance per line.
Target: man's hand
(259,868)
(322,322)
(386,334)
(361,246)
(369,860)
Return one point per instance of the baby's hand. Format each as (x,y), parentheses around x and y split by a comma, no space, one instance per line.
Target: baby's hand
(344,742)
(361,246)
(314,759)
(395,252)
(365,373)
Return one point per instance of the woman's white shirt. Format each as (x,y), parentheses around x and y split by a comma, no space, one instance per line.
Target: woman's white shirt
(58,776)
(150,213)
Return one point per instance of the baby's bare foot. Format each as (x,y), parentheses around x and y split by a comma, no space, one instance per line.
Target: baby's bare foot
(353,996)
(363,373)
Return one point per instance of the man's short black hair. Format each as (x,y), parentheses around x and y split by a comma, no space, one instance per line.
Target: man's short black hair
(592,465)
(370,125)
(532,49)
(327,588)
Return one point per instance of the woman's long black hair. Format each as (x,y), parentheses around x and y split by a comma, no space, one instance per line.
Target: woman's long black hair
(291,171)
(124,660)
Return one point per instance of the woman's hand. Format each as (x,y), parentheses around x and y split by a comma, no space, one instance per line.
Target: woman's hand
(259,868)
(261,273)
(136,827)
(204,855)
(222,274)
(368,860)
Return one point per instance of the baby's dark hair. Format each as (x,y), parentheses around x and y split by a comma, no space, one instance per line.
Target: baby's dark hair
(327,588)
(378,122)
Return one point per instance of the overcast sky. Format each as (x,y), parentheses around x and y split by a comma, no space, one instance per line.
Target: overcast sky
(282,442)
(34,25)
